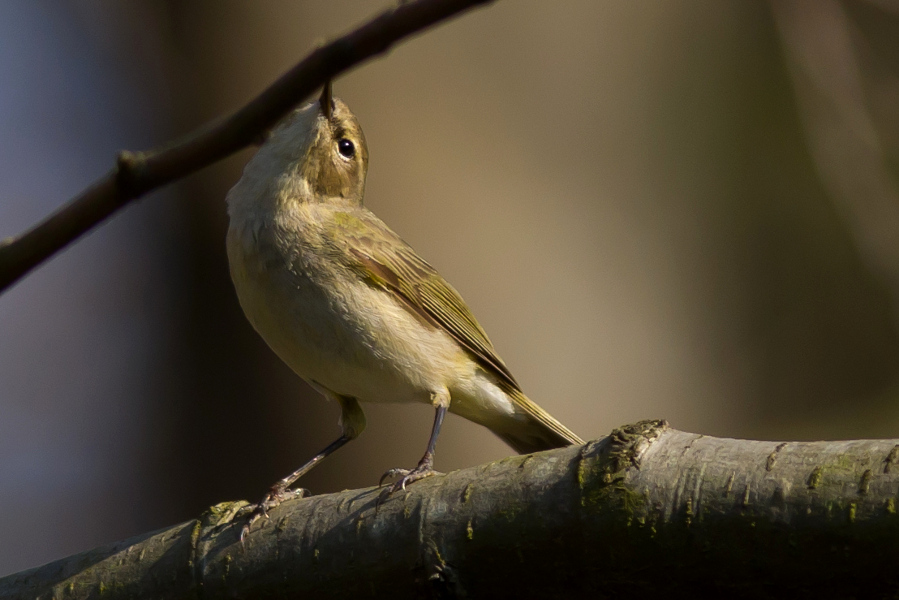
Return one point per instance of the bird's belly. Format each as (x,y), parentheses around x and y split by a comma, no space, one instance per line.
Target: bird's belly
(349,337)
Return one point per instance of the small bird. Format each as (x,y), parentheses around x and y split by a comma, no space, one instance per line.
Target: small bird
(350,307)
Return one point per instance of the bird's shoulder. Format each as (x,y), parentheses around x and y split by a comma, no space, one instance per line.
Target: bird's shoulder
(372,250)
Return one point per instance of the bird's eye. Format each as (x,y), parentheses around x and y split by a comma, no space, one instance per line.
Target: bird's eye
(346,148)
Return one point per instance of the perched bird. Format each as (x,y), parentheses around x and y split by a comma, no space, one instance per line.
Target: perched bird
(350,307)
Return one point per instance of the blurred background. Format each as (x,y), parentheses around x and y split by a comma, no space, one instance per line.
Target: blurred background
(683,210)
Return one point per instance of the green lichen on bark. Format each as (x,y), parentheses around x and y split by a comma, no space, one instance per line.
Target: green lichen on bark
(602,469)
(647,510)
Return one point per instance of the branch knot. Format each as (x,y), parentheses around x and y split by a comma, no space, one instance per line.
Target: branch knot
(130,167)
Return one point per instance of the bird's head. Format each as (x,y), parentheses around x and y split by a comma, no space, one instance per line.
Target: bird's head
(315,154)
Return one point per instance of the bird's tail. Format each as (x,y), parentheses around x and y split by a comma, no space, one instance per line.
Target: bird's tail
(539,432)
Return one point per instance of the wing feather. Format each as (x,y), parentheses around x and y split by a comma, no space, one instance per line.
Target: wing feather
(384,259)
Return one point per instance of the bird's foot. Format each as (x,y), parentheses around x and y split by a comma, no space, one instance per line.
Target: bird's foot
(276,496)
(407,476)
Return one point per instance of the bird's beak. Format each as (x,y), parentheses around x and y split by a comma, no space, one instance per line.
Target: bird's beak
(326,101)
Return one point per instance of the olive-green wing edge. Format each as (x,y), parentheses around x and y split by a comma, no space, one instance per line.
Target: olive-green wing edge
(421,289)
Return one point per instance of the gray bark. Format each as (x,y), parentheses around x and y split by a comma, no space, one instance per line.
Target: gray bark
(647,510)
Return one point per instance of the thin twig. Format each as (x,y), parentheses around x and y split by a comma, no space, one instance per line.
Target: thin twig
(137,173)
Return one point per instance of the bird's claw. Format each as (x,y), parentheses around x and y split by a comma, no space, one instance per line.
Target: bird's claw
(393,473)
(275,497)
(407,476)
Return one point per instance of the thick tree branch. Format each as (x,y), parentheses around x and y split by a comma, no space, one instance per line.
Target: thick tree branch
(138,173)
(648,510)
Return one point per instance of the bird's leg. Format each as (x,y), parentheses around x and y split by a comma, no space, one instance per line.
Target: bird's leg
(352,422)
(425,466)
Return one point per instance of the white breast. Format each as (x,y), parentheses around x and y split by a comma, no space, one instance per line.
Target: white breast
(332,328)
